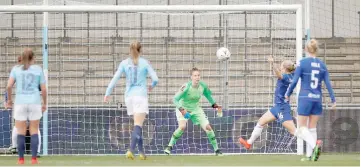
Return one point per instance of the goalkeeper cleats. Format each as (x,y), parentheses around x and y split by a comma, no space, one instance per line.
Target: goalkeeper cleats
(306,159)
(13,150)
(317,150)
(142,156)
(168,150)
(129,155)
(219,153)
(244,143)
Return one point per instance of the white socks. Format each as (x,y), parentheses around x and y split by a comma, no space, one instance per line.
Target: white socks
(306,135)
(14,137)
(257,131)
(309,149)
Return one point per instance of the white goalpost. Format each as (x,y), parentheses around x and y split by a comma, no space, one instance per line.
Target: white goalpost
(80,47)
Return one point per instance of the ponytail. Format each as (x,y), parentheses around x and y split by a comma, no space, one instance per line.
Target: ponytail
(135,49)
(27,57)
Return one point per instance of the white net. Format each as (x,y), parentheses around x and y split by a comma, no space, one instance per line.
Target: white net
(86,48)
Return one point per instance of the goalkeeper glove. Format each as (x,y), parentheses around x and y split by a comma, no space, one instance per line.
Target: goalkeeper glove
(219,110)
(186,114)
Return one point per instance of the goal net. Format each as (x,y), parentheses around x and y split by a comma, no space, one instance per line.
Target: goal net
(85,47)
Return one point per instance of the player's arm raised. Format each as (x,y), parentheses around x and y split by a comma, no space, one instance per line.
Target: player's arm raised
(275,69)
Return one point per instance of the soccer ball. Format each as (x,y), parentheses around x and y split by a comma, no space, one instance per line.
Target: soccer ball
(223,53)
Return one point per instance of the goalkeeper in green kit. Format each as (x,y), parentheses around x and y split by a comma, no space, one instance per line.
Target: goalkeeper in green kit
(188,107)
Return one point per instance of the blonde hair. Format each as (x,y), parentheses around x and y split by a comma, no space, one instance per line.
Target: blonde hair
(312,46)
(194,69)
(135,49)
(27,57)
(289,65)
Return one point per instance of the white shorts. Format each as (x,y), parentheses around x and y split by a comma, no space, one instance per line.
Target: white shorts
(31,112)
(137,104)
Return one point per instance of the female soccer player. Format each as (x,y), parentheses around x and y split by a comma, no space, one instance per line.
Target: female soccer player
(27,102)
(187,107)
(281,110)
(14,134)
(312,72)
(136,69)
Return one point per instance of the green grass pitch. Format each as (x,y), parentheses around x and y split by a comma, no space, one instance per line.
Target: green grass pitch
(227,160)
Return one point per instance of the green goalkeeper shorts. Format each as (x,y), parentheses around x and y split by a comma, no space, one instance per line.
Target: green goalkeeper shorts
(198,117)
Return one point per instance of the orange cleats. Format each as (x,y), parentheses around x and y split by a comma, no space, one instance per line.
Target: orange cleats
(34,161)
(244,143)
(21,161)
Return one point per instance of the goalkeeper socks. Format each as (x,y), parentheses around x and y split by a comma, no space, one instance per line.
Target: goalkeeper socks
(176,135)
(34,145)
(309,149)
(21,145)
(257,131)
(39,144)
(305,135)
(138,131)
(14,137)
(212,139)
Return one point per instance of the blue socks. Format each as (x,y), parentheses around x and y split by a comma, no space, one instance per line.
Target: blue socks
(34,145)
(21,145)
(138,129)
(137,138)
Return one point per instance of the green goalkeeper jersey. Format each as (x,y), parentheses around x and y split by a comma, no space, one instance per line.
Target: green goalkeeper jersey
(189,97)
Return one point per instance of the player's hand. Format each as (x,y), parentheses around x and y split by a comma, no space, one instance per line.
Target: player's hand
(150,88)
(219,110)
(333,106)
(287,98)
(270,59)
(9,104)
(43,108)
(186,114)
(106,99)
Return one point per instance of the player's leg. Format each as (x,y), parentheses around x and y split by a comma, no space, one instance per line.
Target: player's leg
(304,110)
(140,111)
(139,118)
(313,119)
(182,124)
(35,115)
(133,142)
(200,118)
(266,118)
(20,116)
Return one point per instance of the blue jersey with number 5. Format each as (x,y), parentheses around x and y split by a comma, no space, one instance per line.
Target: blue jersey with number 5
(136,77)
(312,72)
(27,84)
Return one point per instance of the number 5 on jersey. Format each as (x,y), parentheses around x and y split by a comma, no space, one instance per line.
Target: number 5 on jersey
(314,79)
